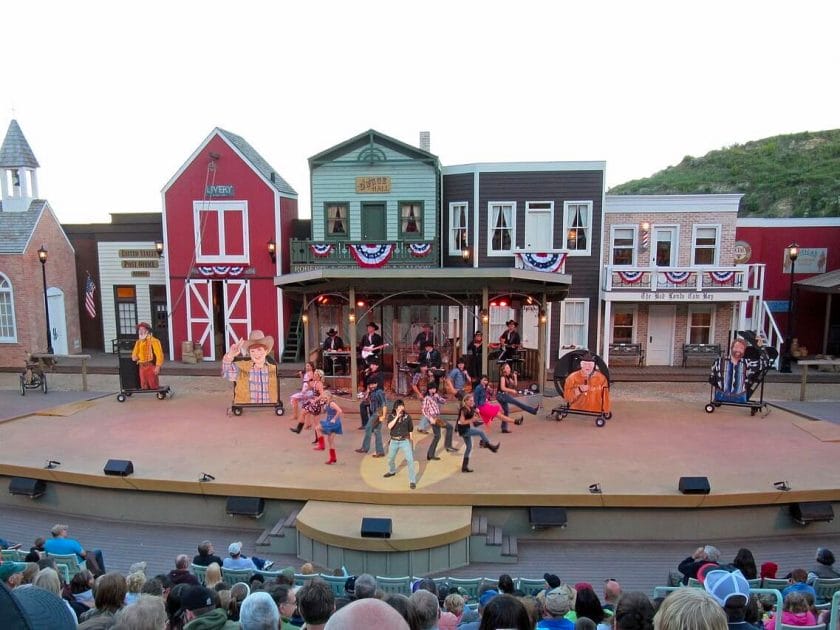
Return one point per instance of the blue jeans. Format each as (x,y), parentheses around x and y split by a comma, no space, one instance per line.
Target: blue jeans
(373,427)
(505,400)
(467,437)
(447,441)
(408,452)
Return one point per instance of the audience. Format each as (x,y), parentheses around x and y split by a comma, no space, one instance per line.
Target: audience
(701,556)
(732,592)
(588,605)
(689,609)
(508,613)
(259,612)
(400,603)
(108,596)
(612,592)
(824,567)
(426,610)
(367,613)
(453,609)
(315,602)
(206,555)
(745,563)
(213,575)
(798,584)
(62,545)
(147,613)
(365,586)
(556,605)
(134,585)
(796,612)
(634,611)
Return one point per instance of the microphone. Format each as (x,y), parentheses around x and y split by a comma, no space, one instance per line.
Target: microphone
(206,477)
(51,463)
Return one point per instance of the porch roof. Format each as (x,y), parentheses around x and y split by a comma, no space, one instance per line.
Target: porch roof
(828,282)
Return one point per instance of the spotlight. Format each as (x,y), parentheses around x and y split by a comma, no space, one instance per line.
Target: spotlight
(784,486)
(595,488)
(206,477)
(51,463)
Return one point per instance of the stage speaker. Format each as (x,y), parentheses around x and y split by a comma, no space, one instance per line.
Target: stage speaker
(376,527)
(695,485)
(119,467)
(245,506)
(24,486)
(547,517)
(812,512)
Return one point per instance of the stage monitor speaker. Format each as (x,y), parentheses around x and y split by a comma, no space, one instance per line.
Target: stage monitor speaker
(547,517)
(376,527)
(119,467)
(695,485)
(24,486)
(245,506)
(812,512)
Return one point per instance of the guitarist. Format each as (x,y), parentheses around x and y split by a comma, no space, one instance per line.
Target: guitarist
(371,344)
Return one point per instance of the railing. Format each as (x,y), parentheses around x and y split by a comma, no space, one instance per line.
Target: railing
(768,326)
(308,254)
(688,279)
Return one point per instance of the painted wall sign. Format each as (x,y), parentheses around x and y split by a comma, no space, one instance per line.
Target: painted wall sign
(141,274)
(137,253)
(140,264)
(373,185)
(743,252)
(810,260)
(677,296)
(220,190)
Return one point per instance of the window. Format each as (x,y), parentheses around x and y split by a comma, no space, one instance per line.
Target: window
(8,330)
(577,226)
(699,324)
(221,231)
(705,244)
(539,226)
(125,298)
(337,220)
(623,245)
(499,315)
(459,226)
(574,322)
(501,225)
(411,218)
(624,320)
(665,239)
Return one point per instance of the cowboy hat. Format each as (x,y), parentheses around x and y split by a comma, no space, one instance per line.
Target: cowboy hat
(512,321)
(145,325)
(258,338)
(331,332)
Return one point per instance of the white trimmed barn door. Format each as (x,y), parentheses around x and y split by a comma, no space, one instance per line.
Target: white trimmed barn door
(237,296)
(200,316)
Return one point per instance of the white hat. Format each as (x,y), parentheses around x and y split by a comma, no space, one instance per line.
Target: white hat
(235,548)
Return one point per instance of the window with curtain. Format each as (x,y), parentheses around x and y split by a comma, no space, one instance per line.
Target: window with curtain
(8,330)
(502,235)
(574,322)
(623,245)
(624,319)
(699,324)
(337,220)
(411,216)
(578,226)
(125,298)
(458,228)
(705,245)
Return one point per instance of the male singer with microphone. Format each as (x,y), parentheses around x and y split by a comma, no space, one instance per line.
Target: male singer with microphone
(586,389)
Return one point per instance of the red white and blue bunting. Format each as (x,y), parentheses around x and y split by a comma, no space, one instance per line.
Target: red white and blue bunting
(321,250)
(371,256)
(221,270)
(549,263)
(631,277)
(721,277)
(420,250)
(677,277)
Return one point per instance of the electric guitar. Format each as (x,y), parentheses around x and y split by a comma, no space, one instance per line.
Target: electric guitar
(369,350)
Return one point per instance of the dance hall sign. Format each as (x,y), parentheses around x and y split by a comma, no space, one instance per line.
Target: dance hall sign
(366,185)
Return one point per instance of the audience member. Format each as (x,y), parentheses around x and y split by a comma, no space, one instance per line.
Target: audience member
(286,600)
(62,545)
(426,610)
(108,596)
(48,580)
(689,609)
(796,612)
(307,568)
(259,612)
(365,586)
(315,602)
(484,598)
(181,573)
(534,608)
(507,612)
(745,563)
(506,586)
(213,575)
(29,572)
(38,545)
(236,560)
(634,611)
(153,586)
(34,608)
(206,555)
(134,586)
(587,604)
(175,612)
(287,576)
(5,544)
(367,613)
(238,593)
(556,605)
(399,602)
(11,573)
(585,623)
(453,609)
(612,592)
(798,584)
(200,612)
(768,570)
(81,588)
(824,567)
(701,556)
(731,591)
(147,613)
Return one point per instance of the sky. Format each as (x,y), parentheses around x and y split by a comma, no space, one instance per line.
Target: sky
(114,97)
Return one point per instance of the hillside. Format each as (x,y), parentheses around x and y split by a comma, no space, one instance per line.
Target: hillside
(796,175)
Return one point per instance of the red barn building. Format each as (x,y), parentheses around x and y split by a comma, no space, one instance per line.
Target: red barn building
(227,216)
(816,320)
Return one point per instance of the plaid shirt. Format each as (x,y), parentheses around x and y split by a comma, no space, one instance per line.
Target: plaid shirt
(431,409)
(258,380)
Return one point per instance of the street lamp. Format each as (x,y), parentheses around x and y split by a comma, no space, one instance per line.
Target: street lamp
(793,254)
(42,256)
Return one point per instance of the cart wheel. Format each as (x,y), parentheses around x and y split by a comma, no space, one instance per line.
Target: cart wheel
(44,383)
(22,385)
(128,394)
(710,408)
(717,404)
(237,411)
(279,411)
(161,395)
(121,397)
(600,421)
(608,415)
(564,413)
(535,389)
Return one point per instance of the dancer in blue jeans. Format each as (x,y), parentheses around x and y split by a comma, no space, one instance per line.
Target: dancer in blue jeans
(401,430)
(467,430)
(376,411)
(508,390)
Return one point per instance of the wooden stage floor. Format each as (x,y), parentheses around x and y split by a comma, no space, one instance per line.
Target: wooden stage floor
(637,458)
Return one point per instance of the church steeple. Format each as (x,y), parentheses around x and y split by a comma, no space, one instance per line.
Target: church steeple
(18,171)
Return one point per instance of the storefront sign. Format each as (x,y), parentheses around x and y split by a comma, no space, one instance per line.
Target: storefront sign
(743,252)
(373,184)
(140,274)
(810,260)
(137,253)
(220,190)
(677,296)
(140,264)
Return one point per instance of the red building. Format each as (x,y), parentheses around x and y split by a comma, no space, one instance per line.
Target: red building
(227,216)
(816,321)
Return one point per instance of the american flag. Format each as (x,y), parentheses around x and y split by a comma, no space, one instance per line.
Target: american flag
(90,303)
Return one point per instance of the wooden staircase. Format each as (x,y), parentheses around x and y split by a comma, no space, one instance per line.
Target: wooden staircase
(489,543)
(293,348)
(281,538)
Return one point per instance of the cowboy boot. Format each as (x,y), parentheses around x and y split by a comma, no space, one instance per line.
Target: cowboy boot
(519,420)
(332,459)
(465,465)
(493,447)
(320,446)
(298,428)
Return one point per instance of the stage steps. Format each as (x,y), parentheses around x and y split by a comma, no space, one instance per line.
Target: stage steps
(489,543)
(282,537)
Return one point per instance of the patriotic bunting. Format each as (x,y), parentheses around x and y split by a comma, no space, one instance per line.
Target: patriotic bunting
(372,256)
(90,303)
(321,250)
(677,277)
(549,263)
(221,270)
(631,277)
(420,250)
(721,277)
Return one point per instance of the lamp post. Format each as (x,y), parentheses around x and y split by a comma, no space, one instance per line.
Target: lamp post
(793,254)
(42,256)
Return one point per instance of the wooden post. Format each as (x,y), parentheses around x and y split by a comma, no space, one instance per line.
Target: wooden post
(541,344)
(84,372)
(305,325)
(485,308)
(354,368)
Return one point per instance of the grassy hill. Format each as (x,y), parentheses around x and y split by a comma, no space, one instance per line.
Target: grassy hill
(797,175)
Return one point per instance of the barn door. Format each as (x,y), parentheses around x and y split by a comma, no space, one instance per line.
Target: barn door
(237,300)
(200,316)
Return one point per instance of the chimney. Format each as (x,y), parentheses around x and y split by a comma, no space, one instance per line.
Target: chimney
(426,141)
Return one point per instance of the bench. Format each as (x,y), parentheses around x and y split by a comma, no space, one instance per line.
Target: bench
(706,351)
(627,351)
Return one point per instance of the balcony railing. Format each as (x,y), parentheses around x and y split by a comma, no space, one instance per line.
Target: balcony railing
(674,279)
(308,255)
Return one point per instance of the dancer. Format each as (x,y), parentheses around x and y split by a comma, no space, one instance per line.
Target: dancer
(466,430)
(305,392)
(376,409)
(458,379)
(431,411)
(490,410)
(313,407)
(401,430)
(330,425)
(508,390)
(475,351)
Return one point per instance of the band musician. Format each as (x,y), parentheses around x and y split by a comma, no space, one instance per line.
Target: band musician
(509,342)
(333,343)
